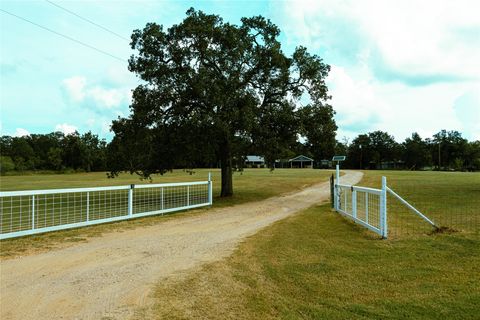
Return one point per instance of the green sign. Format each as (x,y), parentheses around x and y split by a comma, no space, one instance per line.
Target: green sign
(338,158)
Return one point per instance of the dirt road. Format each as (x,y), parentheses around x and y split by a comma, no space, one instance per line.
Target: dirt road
(111,276)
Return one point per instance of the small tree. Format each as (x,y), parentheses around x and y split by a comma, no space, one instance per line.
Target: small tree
(207,84)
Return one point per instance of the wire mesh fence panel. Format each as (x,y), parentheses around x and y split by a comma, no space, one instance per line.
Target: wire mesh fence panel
(368,208)
(403,222)
(30,212)
(107,204)
(16,214)
(175,197)
(344,197)
(147,200)
(451,208)
(363,205)
(198,194)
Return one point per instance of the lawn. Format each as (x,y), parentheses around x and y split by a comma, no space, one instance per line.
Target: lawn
(319,265)
(251,185)
(450,199)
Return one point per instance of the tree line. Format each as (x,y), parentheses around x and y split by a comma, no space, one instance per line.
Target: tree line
(445,150)
(53,152)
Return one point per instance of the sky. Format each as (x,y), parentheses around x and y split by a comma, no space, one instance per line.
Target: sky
(396,66)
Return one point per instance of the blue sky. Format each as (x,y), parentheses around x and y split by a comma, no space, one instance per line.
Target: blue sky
(397,66)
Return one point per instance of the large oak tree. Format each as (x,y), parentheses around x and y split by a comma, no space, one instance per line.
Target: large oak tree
(208,84)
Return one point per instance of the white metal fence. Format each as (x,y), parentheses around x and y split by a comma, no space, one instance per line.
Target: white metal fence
(37,211)
(366,206)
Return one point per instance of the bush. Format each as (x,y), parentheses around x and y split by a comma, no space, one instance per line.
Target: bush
(6,164)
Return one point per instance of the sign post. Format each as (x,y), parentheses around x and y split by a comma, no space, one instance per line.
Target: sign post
(338,159)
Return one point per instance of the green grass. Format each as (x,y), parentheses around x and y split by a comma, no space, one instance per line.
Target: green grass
(251,185)
(450,199)
(319,265)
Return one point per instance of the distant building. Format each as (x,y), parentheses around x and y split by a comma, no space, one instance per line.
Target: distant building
(254,162)
(301,161)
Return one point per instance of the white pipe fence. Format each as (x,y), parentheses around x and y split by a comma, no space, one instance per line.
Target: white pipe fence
(365,206)
(368,206)
(36,211)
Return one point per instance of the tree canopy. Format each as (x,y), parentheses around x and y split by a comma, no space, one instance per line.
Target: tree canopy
(209,87)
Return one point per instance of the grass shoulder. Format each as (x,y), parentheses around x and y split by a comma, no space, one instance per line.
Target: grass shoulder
(317,265)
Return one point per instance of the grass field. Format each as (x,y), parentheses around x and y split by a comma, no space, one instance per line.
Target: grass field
(251,185)
(318,265)
(450,199)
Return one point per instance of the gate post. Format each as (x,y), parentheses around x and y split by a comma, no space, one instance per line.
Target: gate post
(210,189)
(337,182)
(130,200)
(332,192)
(383,209)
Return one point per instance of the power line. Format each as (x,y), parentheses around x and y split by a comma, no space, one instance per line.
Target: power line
(87,20)
(64,36)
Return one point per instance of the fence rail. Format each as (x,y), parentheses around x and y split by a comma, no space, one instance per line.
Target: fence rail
(37,211)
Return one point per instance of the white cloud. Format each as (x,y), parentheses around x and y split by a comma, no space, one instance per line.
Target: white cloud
(397,66)
(355,101)
(106,97)
(90,122)
(411,36)
(75,88)
(20,132)
(66,128)
(78,90)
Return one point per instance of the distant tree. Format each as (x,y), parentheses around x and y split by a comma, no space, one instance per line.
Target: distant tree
(95,152)
(416,152)
(384,147)
(22,154)
(360,152)
(449,149)
(318,127)
(74,152)
(54,158)
(208,84)
(341,148)
(472,161)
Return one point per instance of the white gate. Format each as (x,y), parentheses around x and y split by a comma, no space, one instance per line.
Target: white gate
(368,206)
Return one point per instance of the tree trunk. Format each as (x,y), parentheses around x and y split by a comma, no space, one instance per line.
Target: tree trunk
(226,165)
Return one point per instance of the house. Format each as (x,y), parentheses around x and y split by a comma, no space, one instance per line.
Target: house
(254,162)
(301,161)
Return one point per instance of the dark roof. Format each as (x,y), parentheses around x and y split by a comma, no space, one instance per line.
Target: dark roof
(301,158)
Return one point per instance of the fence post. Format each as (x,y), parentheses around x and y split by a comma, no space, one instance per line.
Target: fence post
(383,209)
(210,189)
(332,192)
(354,203)
(130,200)
(337,182)
(33,212)
(188,196)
